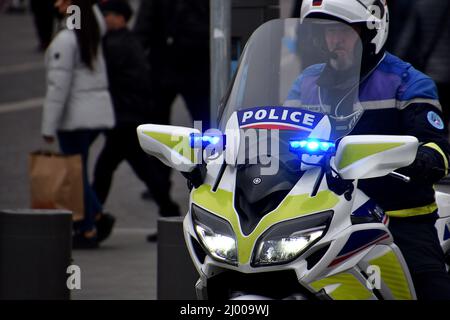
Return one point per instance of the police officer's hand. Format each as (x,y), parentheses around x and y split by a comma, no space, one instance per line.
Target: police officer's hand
(426,168)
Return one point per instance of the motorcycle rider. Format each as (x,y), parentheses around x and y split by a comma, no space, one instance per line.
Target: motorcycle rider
(398,100)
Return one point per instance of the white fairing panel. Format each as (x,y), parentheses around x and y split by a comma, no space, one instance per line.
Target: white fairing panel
(443,203)
(157,141)
(366,156)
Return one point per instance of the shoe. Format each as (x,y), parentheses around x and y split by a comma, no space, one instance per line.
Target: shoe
(152,237)
(104,226)
(79,241)
(146,195)
(169,209)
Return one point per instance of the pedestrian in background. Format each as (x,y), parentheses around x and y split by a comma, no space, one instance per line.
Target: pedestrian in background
(175,35)
(424,40)
(296,8)
(44,20)
(4,5)
(77,103)
(14,6)
(129,85)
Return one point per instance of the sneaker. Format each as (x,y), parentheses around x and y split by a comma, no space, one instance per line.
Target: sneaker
(171,209)
(104,226)
(80,241)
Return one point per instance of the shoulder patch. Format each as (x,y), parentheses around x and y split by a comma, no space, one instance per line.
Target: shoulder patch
(435,120)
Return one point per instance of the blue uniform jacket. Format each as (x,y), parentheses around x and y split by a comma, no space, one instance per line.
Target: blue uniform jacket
(398,100)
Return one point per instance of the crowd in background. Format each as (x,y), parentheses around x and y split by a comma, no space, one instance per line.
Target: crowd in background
(122,68)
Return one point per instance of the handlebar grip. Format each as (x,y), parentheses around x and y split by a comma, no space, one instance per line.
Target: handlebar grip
(400,176)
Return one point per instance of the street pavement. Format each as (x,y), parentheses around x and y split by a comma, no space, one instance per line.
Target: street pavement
(125,265)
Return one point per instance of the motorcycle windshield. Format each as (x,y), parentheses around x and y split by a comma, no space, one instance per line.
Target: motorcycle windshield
(288,66)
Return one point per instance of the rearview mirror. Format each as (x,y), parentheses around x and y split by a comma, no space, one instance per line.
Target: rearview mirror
(370,156)
(170,144)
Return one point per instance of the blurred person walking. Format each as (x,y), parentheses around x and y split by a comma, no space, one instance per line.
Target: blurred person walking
(175,35)
(44,20)
(424,40)
(399,11)
(77,103)
(15,6)
(296,9)
(4,5)
(129,85)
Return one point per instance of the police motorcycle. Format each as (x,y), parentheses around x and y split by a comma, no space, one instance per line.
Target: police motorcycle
(275,212)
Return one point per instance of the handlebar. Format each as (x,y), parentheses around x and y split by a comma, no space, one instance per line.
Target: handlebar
(400,176)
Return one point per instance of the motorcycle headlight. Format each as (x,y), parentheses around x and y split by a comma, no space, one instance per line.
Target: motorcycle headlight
(286,241)
(216,235)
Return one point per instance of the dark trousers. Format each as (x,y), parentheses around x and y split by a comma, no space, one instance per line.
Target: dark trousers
(196,99)
(197,102)
(79,142)
(44,19)
(122,144)
(418,240)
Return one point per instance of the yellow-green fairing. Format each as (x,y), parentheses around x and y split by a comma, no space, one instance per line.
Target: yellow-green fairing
(356,152)
(220,203)
(349,288)
(393,275)
(178,143)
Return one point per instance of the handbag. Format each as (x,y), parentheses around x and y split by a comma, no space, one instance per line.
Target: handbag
(56,182)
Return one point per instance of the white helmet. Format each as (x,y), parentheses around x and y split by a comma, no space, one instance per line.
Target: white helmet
(374,13)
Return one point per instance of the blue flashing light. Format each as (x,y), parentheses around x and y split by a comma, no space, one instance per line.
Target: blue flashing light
(295,145)
(211,140)
(311,146)
(202,141)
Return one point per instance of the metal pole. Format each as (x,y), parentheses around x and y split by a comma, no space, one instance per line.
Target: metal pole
(220,31)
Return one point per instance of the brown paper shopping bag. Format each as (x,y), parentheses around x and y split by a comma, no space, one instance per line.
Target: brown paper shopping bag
(56,182)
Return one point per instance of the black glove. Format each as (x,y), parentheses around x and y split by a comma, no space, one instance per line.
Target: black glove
(427,168)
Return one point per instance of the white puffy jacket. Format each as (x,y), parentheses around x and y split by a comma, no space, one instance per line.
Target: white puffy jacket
(77,97)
